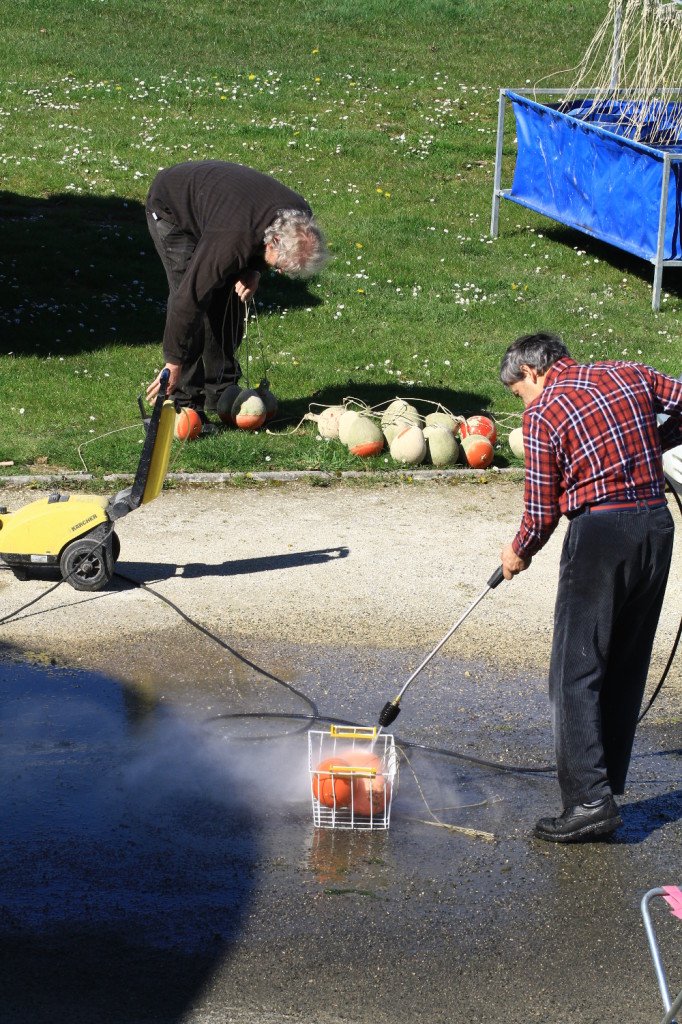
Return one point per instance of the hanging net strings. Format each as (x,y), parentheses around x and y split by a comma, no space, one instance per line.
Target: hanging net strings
(632,71)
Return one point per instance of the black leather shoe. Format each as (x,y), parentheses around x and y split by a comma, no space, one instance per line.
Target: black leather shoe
(580,823)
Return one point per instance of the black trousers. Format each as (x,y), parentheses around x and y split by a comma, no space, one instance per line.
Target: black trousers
(211,365)
(612,579)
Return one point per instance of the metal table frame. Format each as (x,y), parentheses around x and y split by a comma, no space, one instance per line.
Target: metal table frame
(505,193)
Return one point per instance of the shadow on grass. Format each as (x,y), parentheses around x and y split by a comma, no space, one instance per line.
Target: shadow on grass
(128,862)
(378,396)
(626,262)
(81,273)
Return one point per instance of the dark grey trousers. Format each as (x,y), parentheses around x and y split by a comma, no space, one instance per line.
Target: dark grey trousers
(211,364)
(612,579)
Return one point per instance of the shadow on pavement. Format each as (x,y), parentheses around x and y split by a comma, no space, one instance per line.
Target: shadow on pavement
(127,856)
(154,572)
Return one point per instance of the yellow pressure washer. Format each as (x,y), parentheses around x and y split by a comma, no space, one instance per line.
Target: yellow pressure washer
(75,532)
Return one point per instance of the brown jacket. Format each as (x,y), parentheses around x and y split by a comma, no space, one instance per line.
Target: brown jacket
(225,209)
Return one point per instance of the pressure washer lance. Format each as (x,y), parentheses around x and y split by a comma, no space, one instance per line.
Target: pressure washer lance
(391,710)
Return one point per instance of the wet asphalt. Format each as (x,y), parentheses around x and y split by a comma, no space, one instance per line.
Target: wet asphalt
(159,861)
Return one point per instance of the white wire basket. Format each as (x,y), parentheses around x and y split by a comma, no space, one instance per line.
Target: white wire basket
(353,777)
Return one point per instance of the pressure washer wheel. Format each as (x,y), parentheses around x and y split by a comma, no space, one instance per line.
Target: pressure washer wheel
(88,563)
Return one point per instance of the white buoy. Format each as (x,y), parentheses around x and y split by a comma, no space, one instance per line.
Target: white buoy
(443,419)
(349,416)
(365,437)
(399,409)
(269,400)
(516,442)
(409,445)
(328,421)
(442,448)
(391,429)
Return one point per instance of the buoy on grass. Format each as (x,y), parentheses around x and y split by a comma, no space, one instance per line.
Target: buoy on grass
(328,421)
(269,400)
(226,401)
(248,410)
(516,443)
(478,451)
(483,425)
(400,410)
(348,417)
(441,447)
(443,419)
(187,424)
(365,437)
(409,445)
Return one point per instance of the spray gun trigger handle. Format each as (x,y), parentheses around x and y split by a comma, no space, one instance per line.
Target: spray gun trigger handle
(496,578)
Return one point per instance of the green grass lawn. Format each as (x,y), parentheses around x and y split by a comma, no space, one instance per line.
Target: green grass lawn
(384,116)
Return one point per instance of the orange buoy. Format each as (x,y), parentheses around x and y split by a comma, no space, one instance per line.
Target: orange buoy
(478,451)
(187,424)
(371,792)
(331,789)
(367,449)
(484,425)
(248,410)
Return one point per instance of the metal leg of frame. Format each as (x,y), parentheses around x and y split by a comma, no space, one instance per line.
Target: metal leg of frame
(495,219)
(662,215)
(671,1015)
(671,1008)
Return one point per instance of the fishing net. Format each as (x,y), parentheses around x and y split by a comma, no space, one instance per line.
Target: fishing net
(632,70)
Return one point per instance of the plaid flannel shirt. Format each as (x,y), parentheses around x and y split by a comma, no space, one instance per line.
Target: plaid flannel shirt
(592,436)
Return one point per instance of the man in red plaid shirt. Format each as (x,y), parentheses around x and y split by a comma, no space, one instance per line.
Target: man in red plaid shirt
(593,451)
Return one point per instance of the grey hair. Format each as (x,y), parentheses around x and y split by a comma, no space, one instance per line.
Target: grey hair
(539,351)
(299,242)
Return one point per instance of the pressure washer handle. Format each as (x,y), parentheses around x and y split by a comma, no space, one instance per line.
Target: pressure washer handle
(496,578)
(163,382)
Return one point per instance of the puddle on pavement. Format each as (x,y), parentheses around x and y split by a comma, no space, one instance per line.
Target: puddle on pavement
(164,818)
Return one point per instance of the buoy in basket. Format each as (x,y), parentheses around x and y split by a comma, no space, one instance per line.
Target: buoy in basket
(478,451)
(371,792)
(365,437)
(329,787)
(479,425)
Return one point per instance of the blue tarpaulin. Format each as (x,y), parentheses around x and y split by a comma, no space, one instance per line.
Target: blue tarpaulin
(588,177)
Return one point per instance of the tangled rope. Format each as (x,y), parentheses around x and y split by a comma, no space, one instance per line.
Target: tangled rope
(631,70)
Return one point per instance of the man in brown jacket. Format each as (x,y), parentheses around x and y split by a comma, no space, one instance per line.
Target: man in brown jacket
(216,227)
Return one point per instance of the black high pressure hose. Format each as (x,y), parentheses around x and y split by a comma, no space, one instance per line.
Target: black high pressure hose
(388,712)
